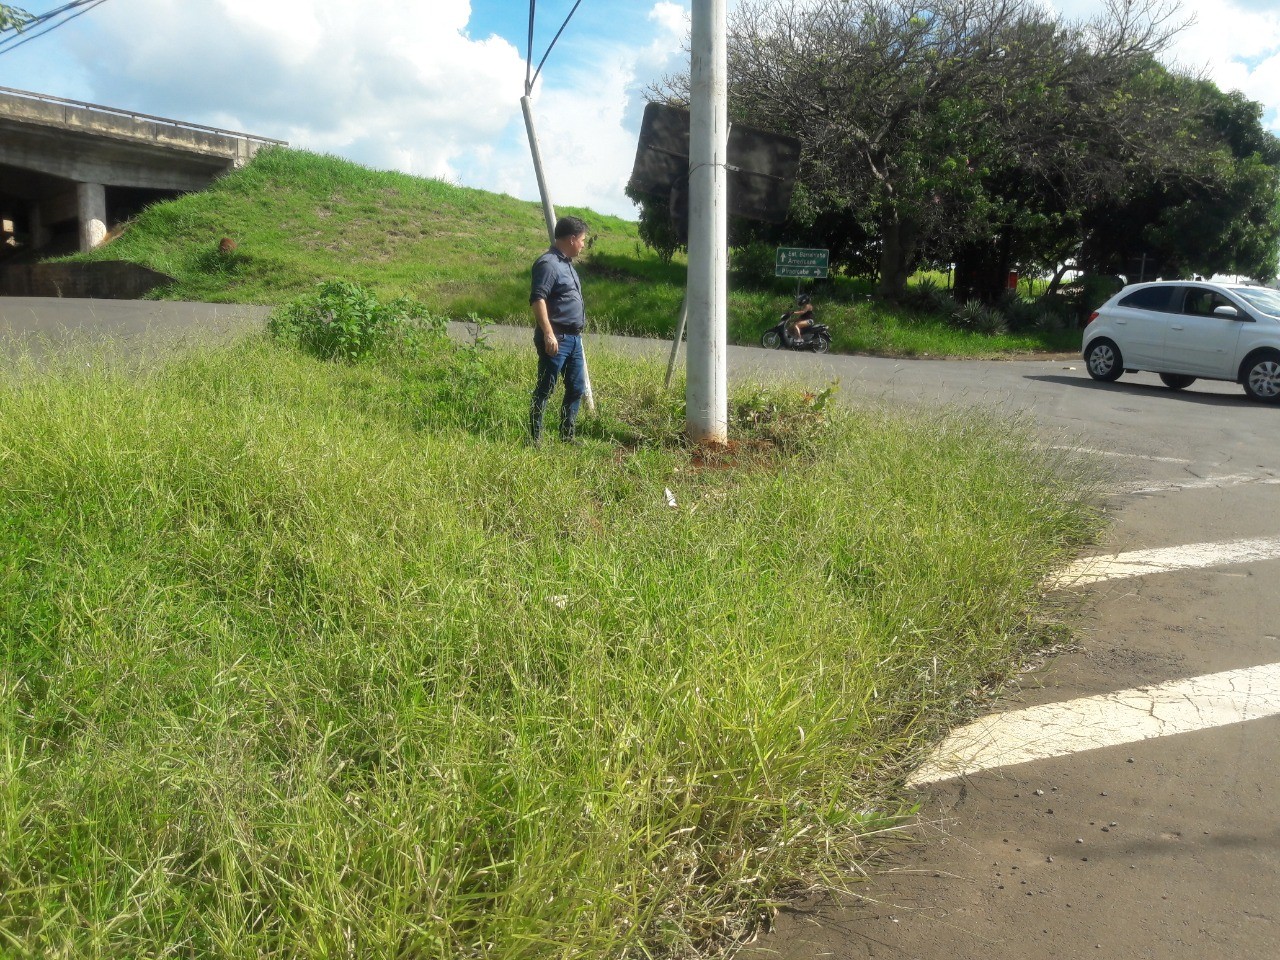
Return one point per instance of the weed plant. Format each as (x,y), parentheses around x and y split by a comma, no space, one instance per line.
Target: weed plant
(346,321)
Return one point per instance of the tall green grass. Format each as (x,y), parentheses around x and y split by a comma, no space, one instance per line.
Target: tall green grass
(307,659)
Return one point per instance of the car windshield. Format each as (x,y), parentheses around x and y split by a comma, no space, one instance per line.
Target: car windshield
(1263,299)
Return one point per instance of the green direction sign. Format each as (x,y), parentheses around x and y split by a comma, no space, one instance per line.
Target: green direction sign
(800,262)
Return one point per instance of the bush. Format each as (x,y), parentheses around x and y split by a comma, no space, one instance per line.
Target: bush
(346,321)
(978,317)
(1019,313)
(928,297)
(753,265)
(1089,292)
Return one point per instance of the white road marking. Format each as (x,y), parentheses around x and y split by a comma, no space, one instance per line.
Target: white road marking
(1138,563)
(1204,483)
(1120,453)
(1057,729)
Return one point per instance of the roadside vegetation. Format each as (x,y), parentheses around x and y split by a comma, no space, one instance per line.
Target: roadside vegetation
(298,219)
(998,136)
(306,657)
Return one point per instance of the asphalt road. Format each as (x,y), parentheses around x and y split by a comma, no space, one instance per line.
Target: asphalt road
(1167,847)
(38,326)
(1163,847)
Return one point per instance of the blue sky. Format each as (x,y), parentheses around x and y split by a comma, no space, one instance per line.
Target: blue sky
(433,87)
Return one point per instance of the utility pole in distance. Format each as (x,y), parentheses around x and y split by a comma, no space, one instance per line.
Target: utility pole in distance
(706,390)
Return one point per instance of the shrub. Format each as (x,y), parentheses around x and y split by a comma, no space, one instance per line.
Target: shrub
(928,297)
(980,318)
(1089,292)
(752,265)
(1019,313)
(346,321)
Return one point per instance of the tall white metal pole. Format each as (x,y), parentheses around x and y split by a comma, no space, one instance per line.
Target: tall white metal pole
(706,390)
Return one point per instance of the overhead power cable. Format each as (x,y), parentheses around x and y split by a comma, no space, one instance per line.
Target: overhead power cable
(529,81)
(51,21)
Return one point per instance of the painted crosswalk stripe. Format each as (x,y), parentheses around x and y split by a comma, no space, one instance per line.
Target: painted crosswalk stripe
(1128,716)
(1119,453)
(1138,563)
(1203,483)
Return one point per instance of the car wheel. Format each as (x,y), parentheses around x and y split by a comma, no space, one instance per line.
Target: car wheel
(1177,381)
(1260,376)
(771,339)
(1103,360)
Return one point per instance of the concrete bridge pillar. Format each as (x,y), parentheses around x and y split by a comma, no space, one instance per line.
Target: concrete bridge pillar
(39,232)
(92,209)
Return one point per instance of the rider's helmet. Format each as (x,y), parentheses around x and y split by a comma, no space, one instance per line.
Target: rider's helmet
(802,299)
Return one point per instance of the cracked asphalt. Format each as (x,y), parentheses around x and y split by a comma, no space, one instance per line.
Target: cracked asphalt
(1156,848)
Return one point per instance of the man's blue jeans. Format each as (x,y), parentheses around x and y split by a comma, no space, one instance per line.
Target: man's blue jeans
(567,363)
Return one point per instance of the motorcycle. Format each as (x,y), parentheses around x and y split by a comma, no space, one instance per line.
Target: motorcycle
(816,337)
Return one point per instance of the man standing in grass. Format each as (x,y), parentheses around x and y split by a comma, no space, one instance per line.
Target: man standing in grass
(559,316)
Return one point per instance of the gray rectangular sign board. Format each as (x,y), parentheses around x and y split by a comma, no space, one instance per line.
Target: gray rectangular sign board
(762,166)
(801,262)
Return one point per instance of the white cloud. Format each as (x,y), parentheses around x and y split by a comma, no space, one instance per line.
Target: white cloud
(406,86)
(672,17)
(1235,43)
(1236,47)
(383,82)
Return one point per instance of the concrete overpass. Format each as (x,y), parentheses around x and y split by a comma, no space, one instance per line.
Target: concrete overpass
(71,171)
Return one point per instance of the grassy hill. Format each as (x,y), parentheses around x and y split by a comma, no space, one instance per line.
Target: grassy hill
(299,218)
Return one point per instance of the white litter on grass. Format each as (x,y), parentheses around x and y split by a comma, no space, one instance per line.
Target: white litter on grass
(1108,720)
(671,497)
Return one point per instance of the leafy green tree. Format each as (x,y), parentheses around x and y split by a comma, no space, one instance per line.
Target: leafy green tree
(11,18)
(1217,210)
(937,126)
(995,135)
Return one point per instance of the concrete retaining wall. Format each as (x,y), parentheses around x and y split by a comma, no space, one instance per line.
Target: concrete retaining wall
(105,280)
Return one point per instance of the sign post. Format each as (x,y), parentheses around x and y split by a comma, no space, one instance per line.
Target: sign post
(801,262)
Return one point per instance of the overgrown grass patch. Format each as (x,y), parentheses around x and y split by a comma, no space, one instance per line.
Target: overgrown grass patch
(313,659)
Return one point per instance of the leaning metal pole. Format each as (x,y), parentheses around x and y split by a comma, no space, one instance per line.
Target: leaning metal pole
(549,213)
(706,388)
(675,344)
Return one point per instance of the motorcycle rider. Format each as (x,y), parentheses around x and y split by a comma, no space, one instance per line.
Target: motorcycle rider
(799,318)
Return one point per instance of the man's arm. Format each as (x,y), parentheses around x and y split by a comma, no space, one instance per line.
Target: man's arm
(543,322)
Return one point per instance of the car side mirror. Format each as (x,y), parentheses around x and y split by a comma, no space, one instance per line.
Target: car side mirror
(1226,311)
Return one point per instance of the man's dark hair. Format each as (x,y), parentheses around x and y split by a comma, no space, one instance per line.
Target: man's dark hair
(570,227)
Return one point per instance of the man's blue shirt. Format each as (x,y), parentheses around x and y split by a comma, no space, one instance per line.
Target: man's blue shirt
(556,282)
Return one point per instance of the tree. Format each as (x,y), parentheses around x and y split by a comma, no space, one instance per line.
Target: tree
(11,18)
(1217,211)
(947,126)
(993,134)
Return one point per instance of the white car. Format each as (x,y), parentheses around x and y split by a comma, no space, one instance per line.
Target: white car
(1186,330)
